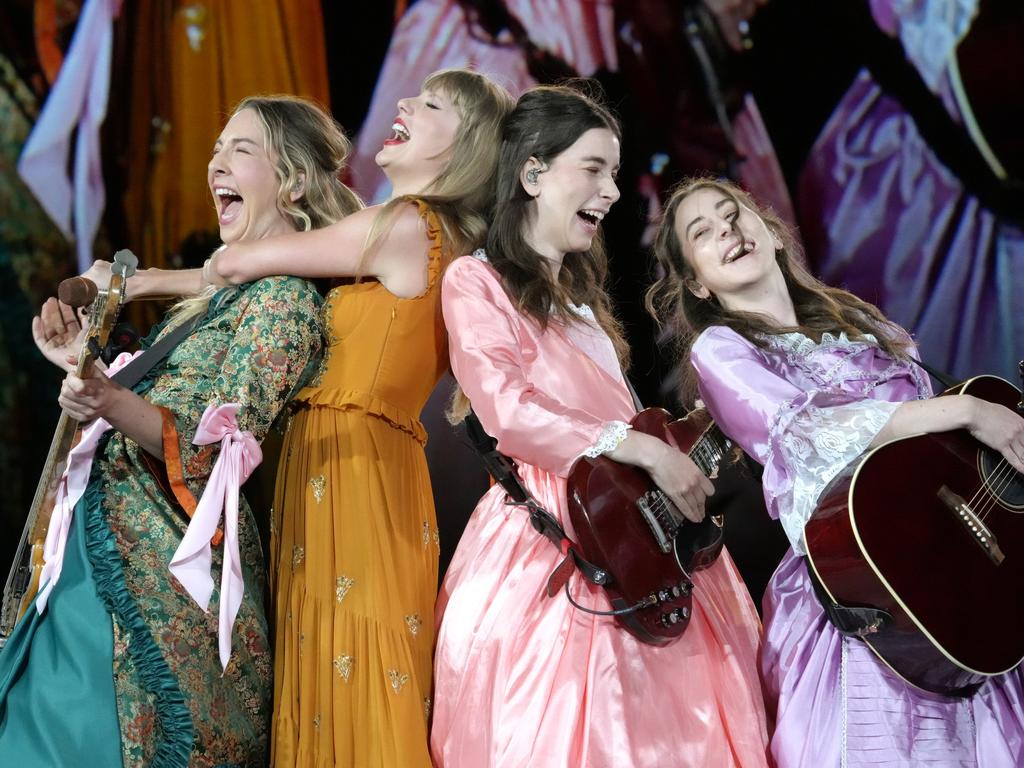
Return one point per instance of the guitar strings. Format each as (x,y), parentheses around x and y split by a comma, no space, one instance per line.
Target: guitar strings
(998,482)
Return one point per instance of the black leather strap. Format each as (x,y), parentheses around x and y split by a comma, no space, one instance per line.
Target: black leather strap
(503,470)
(852,621)
(133,373)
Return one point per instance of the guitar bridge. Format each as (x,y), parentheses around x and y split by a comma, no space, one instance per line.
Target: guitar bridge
(976,529)
(649,505)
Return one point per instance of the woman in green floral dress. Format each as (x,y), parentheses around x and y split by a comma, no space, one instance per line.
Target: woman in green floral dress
(121,666)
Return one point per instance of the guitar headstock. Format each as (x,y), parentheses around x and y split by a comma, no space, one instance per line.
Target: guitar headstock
(105,308)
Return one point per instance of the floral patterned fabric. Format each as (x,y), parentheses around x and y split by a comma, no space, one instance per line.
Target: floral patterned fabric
(255,347)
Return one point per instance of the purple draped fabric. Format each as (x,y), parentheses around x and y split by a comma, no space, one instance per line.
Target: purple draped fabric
(887,220)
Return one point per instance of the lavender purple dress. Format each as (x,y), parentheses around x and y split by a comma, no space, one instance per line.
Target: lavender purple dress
(887,220)
(804,410)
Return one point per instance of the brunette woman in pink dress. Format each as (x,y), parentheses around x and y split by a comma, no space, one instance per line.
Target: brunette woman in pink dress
(522,679)
(804,378)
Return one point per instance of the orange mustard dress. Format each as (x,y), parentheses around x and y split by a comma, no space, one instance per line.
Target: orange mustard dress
(354,539)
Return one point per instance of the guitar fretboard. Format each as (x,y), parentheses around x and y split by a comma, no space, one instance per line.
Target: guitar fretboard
(710,448)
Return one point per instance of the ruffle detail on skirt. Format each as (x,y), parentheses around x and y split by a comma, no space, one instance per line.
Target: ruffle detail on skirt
(349,399)
(175,747)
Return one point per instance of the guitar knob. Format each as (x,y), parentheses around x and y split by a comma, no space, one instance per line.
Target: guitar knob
(663,596)
(675,591)
(685,587)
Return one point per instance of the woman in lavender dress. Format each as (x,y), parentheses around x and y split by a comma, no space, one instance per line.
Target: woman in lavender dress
(804,378)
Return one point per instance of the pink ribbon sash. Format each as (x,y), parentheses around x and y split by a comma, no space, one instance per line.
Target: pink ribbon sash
(240,454)
(70,489)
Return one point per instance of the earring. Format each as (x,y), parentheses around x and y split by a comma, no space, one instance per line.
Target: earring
(531,175)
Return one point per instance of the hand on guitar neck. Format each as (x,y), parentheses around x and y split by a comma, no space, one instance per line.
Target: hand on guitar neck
(59,332)
(85,399)
(671,470)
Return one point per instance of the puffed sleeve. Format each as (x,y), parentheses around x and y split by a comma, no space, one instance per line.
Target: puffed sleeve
(802,437)
(272,334)
(487,344)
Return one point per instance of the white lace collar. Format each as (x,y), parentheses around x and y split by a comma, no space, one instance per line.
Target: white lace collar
(583,310)
(798,344)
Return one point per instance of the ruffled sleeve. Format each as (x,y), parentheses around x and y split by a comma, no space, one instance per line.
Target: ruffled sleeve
(486,341)
(435,253)
(803,438)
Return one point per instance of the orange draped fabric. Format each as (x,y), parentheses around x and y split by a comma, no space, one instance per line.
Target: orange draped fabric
(188,64)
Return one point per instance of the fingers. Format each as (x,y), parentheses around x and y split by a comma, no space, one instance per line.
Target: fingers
(39,333)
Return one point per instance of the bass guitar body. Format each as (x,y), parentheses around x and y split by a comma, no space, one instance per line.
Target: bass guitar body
(930,529)
(626,526)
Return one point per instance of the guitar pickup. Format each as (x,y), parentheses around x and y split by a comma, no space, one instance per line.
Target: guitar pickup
(976,529)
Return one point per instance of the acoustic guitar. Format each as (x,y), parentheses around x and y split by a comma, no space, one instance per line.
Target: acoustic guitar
(23,580)
(627,526)
(929,531)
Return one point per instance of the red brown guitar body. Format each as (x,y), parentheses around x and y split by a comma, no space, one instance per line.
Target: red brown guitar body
(626,526)
(931,529)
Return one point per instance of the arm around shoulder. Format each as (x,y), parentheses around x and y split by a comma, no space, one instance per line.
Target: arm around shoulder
(338,250)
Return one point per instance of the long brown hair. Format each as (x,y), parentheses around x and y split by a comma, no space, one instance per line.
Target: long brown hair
(547,121)
(819,308)
(462,194)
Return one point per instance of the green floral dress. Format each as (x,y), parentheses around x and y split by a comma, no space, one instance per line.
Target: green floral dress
(117,609)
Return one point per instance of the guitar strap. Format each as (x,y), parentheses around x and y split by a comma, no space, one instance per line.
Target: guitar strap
(133,373)
(850,621)
(503,470)
(943,378)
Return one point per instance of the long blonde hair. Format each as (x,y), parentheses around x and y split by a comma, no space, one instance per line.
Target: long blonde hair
(309,150)
(819,308)
(461,196)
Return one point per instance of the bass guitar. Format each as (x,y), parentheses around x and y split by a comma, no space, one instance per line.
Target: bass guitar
(626,526)
(23,580)
(927,533)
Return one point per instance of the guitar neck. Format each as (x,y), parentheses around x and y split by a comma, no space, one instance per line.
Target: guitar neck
(709,450)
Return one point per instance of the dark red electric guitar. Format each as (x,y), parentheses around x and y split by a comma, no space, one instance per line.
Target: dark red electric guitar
(625,525)
(930,529)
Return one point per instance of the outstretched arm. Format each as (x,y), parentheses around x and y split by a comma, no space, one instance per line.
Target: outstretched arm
(338,250)
(150,283)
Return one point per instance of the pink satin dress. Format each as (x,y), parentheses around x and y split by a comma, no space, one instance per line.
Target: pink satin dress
(522,679)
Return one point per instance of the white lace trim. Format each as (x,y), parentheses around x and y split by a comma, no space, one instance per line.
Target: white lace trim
(797,344)
(583,310)
(815,445)
(930,31)
(612,435)
(801,352)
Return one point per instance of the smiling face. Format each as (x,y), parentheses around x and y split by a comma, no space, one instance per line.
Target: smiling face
(729,247)
(572,195)
(242,179)
(421,141)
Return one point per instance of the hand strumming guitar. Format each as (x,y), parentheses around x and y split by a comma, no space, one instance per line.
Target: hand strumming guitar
(672,471)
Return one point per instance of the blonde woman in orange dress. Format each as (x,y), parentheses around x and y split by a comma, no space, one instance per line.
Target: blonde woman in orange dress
(354,537)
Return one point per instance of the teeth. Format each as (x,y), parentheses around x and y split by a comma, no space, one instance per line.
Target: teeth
(401,130)
(738,250)
(225,192)
(599,215)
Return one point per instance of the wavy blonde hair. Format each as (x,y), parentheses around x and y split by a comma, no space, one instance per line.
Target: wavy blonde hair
(308,150)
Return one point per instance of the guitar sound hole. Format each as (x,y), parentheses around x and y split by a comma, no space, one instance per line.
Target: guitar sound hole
(1002,480)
